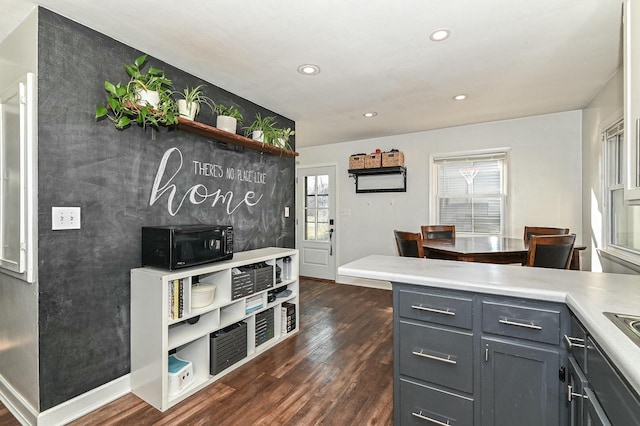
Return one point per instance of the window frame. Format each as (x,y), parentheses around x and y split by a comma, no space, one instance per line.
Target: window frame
(434,198)
(626,254)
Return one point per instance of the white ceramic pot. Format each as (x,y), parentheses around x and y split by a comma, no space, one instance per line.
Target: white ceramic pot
(187,110)
(202,295)
(148,97)
(226,123)
(257,135)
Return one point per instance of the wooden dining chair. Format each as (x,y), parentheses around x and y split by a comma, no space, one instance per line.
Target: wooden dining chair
(409,244)
(541,230)
(438,232)
(551,251)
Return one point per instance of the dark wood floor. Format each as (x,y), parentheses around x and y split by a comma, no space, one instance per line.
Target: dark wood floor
(337,370)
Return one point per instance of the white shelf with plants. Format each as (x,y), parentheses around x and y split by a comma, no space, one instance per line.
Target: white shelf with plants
(167,317)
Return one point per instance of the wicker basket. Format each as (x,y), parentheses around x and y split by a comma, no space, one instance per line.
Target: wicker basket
(391,159)
(356,161)
(373,161)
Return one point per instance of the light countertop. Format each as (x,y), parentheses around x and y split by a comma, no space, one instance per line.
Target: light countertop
(587,294)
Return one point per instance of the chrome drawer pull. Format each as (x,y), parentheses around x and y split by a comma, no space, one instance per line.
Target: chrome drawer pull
(434,310)
(571,394)
(448,359)
(429,419)
(573,342)
(520,324)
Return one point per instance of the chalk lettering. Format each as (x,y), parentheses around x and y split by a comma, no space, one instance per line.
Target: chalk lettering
(207,169)
(196,194)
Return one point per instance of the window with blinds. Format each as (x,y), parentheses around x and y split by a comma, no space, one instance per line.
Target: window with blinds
(470,192)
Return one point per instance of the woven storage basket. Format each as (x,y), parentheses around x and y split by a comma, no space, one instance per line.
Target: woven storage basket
(356,161)
(373,161)
(391,159)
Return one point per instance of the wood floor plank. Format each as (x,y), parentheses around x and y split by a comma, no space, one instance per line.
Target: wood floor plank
(338,370)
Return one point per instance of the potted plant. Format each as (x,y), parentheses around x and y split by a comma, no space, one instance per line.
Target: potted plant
(282,138)
(125,104)
(192,98)
(149,86)
(228,118)
(262,129)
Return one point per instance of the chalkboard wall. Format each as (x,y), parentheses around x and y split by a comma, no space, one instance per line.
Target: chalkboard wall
(123,180)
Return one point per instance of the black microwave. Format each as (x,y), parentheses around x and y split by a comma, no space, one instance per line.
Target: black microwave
(182,246)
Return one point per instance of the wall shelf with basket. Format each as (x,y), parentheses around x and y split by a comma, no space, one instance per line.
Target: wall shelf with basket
(253,307)
(378,172)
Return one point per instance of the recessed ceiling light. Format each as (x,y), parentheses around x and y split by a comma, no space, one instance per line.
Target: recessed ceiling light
(460,97)
(369,114)
(439,35)
(308,69)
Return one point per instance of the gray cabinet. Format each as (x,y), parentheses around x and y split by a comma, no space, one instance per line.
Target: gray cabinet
(469,359)
(598,394)
(520,384)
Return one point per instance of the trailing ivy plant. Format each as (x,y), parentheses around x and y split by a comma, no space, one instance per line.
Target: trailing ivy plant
(122,107)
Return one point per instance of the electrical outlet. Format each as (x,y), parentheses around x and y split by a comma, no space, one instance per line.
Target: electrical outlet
(286,211)
(65,218)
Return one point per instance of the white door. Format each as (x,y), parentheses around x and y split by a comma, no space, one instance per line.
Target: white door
(315,221)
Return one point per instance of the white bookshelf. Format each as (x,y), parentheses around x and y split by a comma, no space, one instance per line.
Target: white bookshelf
(154,334)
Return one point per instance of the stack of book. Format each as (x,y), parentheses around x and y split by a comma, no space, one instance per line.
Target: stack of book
(176,299)
(254,303)
(288,318)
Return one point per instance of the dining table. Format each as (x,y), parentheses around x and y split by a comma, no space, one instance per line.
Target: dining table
(486,249)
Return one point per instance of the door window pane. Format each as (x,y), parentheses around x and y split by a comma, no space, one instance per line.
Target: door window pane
(310,185)
(323,185)
(310,202)
(316,208)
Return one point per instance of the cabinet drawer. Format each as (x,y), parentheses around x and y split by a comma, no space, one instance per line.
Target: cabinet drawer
(423,405)
(435,355)
(537,324)
(437,308)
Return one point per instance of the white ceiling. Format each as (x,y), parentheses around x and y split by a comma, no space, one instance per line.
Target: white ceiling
(513,58)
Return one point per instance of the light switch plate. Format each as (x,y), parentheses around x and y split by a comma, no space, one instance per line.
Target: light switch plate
(63,218)
(286,211)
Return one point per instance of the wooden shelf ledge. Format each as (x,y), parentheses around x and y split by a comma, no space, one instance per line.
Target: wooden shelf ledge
(211,132)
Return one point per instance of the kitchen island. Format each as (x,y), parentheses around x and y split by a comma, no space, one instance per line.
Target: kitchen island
(587,295)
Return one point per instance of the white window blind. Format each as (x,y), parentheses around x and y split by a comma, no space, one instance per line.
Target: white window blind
(470,192)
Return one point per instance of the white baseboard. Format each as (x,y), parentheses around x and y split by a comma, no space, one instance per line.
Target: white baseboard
(16,404)
(87,402)
(363,282)
(67,411)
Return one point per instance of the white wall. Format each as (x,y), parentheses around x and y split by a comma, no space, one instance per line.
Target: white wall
(18,299)
(545,180)
(605,109)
